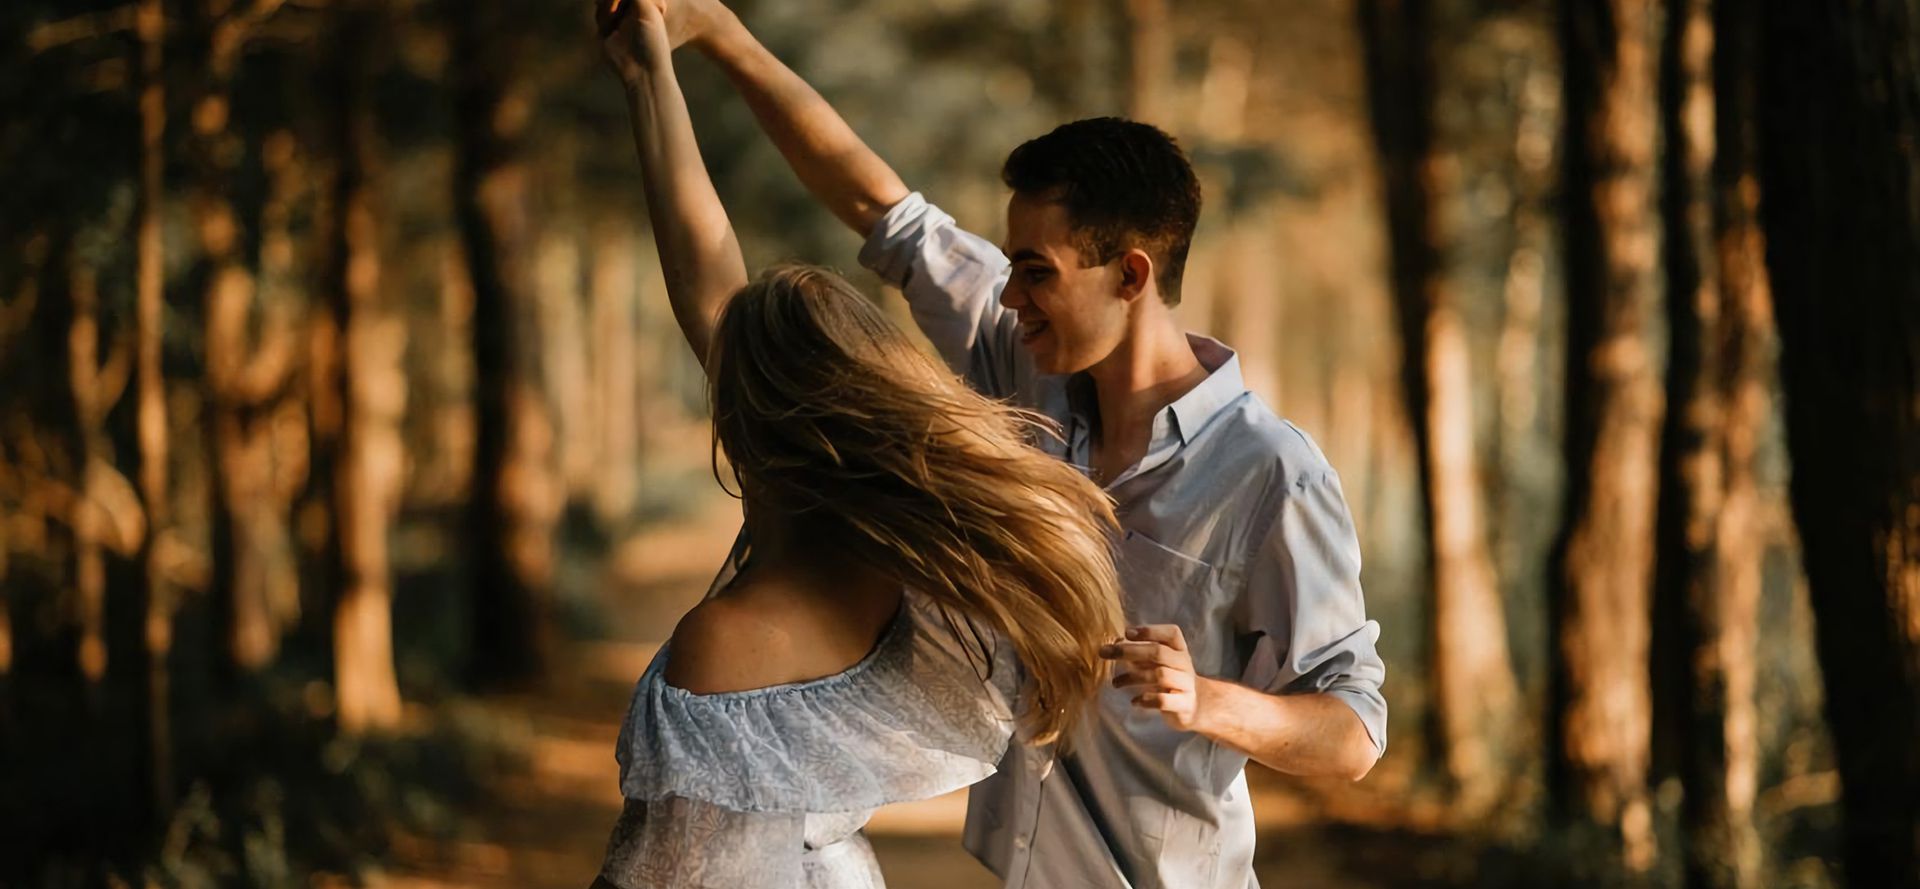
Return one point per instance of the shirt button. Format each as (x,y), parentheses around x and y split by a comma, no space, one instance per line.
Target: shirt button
(1020,843)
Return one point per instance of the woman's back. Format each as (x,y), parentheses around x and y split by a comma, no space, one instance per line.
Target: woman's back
(769,776)
(778,624)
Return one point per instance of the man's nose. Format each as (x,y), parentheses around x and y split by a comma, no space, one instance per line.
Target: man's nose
(1012,296)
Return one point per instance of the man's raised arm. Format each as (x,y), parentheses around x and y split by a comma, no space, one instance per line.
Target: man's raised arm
(830,159)
(950,277)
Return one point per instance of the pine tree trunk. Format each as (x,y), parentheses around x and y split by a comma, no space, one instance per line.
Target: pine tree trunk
(1712,548)
(1601,711)
(615,374)
(1840,116)
(515,485)
(241,376)
(372,398)
(92,456)
(154,602)
(1475,695)
(1150,75)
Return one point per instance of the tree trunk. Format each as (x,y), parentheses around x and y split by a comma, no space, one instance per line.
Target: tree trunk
(1601,710)
(615,375)
(1150,75)
(515,485)
(153,599)
(1474,691)
(1840,115)
(1711,539)
(92,456)
(241,377)
(372,398)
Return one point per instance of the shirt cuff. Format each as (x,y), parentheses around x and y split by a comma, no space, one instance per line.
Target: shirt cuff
(896,239)
(1372,710)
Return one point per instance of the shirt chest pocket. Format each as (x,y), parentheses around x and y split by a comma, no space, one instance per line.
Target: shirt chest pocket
(1165,586)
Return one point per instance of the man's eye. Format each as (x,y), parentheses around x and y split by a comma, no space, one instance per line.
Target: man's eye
(1035,276)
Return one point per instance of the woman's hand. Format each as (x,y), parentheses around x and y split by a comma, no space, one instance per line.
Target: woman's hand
(633,36)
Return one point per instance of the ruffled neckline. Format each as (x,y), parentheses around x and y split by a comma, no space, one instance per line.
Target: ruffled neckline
(890,635)
(912,719)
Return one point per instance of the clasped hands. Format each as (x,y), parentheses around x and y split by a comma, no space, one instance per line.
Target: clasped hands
(680,21)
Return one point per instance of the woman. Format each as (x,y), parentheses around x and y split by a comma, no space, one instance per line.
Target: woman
(887,506)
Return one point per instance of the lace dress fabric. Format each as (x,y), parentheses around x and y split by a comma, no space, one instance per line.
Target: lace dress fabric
(771,787)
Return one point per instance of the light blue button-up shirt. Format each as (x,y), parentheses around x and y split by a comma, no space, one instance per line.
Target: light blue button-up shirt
(1235,529)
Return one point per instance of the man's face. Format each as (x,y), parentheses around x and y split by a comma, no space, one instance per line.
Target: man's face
(1071,318)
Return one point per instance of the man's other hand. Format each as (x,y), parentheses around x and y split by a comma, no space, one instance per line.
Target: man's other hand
(1152,665)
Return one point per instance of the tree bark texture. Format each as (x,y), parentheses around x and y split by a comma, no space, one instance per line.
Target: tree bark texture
(1600,697)
(1840,181)
(1719,380)
(516,488)
(1475,694)
(372,396)
(153,598)
(243,377)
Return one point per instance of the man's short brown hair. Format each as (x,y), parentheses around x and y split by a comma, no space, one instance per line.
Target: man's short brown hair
(1124,184)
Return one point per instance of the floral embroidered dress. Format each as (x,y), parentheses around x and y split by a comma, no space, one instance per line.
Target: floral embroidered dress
(770,787)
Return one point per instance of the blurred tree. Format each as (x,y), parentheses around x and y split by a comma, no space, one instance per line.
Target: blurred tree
(370,390)
(1712,544)
(1474,692)
(614,329)
(1600,709)
(244,377)
(1840,119)
(515,487)
(1150,72)
(101,513)
(153,601)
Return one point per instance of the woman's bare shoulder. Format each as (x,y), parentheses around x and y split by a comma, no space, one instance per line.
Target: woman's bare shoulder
(726,645)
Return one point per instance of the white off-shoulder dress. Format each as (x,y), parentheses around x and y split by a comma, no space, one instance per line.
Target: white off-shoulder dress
(771,787)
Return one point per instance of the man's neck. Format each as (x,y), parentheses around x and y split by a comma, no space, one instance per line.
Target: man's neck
(1151,369)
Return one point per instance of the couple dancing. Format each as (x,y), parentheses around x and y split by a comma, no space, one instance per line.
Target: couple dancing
(1100,633)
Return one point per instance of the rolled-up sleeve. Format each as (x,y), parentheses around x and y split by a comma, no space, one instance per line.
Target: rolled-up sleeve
(1303,605)
(952,280)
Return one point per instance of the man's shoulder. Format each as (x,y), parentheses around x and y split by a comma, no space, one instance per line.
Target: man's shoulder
(1257,439)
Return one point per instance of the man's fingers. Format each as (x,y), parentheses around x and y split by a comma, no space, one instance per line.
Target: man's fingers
(1149,676)
(1130,651)
(1165,634)
(1146,654)
(606,15)
(1153,700)
(1157,677)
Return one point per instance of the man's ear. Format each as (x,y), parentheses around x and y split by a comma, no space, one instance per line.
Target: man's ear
(1136,273)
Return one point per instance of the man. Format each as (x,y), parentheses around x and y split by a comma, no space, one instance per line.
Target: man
(1239,561)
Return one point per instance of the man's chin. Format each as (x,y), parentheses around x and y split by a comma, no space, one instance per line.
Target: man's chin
(1045,361)
(1048,360)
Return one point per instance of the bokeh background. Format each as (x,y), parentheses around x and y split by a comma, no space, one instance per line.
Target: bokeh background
(352,468)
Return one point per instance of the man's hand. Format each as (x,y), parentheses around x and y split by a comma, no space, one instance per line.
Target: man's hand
(688,21)
(633,36)
(1153,665)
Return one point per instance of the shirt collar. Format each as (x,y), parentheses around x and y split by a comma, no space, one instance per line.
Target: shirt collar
(1178,422)
(1194,410)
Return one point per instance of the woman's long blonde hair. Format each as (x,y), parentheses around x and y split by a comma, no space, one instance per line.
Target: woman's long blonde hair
(867,448)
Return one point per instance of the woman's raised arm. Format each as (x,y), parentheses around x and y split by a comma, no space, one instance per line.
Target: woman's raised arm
(698,251)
